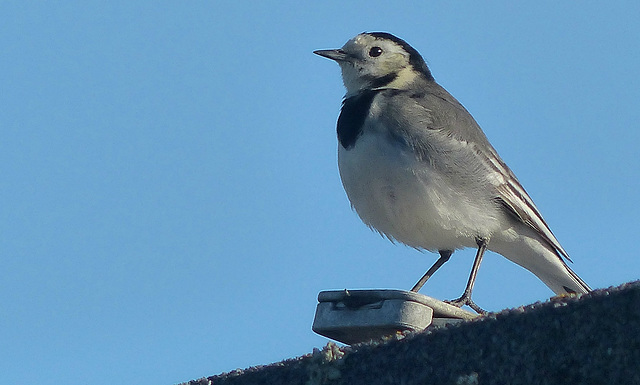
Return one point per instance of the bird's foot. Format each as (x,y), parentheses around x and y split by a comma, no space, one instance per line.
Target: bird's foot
(466,300)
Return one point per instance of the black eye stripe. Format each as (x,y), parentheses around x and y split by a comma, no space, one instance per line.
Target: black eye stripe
(375,51)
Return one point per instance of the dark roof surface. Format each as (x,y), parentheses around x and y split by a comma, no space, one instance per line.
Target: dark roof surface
(586,339)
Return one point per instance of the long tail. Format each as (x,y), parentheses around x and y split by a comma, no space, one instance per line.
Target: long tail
(538,257)
(580,285)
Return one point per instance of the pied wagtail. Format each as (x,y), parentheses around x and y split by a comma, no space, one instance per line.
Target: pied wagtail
(418,169)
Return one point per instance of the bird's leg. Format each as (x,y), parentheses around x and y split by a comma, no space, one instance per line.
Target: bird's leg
(444,257)
(465,299)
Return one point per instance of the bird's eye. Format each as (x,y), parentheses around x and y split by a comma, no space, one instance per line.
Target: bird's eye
(375,52)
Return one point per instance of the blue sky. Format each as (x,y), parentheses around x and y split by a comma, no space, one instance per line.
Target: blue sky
(171,204)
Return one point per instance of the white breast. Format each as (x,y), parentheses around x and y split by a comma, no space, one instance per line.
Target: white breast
(404,199)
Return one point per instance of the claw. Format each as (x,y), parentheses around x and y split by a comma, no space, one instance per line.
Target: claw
(466,300)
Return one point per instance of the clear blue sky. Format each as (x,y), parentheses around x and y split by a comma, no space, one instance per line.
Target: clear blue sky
(171,204)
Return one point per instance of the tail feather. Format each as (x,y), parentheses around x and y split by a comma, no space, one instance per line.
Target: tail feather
(535,255)
(580,286)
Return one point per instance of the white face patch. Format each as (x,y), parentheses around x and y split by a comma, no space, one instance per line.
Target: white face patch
(375,64)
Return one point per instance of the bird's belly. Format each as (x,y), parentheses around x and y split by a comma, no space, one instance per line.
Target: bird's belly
(402,198)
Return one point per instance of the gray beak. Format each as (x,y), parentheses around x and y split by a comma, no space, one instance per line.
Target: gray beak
(333,54)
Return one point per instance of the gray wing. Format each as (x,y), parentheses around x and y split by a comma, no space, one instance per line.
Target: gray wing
(446,127)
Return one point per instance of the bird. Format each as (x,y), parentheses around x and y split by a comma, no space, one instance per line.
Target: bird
(418,169)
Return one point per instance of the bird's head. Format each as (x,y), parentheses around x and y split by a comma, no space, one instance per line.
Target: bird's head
(376,60)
